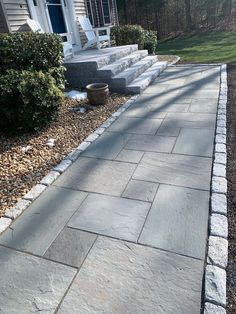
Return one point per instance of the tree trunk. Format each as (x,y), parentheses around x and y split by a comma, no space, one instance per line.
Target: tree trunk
(188,14)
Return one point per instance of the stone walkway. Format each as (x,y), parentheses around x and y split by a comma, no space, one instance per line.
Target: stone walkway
(124,229)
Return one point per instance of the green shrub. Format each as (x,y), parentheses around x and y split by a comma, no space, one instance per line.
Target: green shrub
(150,41)
(28,50)
(28,100)
(128,35)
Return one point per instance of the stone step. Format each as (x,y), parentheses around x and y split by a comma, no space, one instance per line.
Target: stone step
(120,81)
(120,65)
(146,78)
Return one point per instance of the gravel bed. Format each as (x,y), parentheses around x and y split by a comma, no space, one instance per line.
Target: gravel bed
(25,159)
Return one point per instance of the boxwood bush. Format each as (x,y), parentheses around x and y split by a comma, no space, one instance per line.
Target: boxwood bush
(28,100)
(135,34)
(31,80)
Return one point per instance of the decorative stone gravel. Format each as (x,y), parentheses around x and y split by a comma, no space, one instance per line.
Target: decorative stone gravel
(219,226)
(213,309)
(219,203)
(34,192)
(50,178)
(15,211)
(215,285)
(4,223)
(217,252)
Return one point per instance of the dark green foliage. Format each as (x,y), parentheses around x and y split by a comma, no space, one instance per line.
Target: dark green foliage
(128,35)
(28,100)
(31,80)
(150,41)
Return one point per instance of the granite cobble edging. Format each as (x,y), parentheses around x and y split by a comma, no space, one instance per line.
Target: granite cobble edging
(15,211)
(217,257)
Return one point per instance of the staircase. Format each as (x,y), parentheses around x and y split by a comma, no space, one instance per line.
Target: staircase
(126,69)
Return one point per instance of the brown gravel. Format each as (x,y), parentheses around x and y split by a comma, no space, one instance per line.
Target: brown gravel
(20,171)
(231,176)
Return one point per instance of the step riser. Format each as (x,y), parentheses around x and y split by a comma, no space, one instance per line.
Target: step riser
(122,82)
(108,74)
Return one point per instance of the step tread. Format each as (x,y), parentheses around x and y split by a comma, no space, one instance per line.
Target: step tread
(146,78)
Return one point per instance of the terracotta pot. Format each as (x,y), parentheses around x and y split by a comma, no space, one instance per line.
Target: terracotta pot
(98,93)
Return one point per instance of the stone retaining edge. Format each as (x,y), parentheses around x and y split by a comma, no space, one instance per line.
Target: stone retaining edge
(217,255)
(15,211)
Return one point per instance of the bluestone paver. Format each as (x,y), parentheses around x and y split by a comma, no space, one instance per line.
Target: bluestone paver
(30,284)
(141,190)
(127,155)
(168,131)
(119,277)
(71,247)
(178,221)
(97,175)
(39,225)
(151,143)
(203,105)
(112,216)
(173,169)
(198,143)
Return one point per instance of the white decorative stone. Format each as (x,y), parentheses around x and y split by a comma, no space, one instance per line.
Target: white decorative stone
(220,158)
(4,223)
(83,146)
(220,130)
(215,285)
(213,309)
(35,192)
(50,178)
(217,251)
(219,226)
(219,203)
(219,170)
(220,148)
(16,210)
(74,154)
(63,165)
(92,137)
(219,185)
(220,138)
(99,131)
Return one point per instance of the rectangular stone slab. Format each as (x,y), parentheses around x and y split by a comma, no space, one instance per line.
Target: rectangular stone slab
(190,120)
(30,284)
(141,190)
(188,171)
(120,277)
(39,225)
(177,221)
(204,106)
(151,143)
(97,175)
(112,216)
(71,247)
(107,146)
(195,142)
(135,125)
(143,111)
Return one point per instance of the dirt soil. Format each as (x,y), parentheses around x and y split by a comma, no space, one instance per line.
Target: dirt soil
(231,176)
(20,171)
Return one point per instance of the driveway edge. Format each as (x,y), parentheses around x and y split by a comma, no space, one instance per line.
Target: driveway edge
(217,255)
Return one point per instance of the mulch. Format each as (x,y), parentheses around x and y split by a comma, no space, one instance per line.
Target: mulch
(20,171)
(231,176)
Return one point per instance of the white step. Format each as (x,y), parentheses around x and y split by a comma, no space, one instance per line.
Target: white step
(120,81)
(146,78)
(120,65)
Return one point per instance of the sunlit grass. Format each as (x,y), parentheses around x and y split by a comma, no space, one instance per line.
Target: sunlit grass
(203,48)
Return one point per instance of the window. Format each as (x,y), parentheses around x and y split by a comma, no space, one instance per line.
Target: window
(106,12)
(98,12)
(90,11)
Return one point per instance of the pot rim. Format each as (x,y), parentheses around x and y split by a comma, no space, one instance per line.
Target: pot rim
(100,86)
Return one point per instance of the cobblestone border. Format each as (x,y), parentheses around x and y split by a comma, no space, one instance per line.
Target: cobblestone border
(217,257)
(12,213)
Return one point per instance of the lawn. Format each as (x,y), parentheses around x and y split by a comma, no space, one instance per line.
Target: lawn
(202,48)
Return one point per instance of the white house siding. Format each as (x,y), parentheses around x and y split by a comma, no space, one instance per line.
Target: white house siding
(80,9)
(17,13)
(3,22)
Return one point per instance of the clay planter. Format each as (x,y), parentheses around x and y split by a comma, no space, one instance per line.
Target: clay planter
(97,93)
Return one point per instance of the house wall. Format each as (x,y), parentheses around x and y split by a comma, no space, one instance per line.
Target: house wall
(3,23)
(17,13)
(80,9)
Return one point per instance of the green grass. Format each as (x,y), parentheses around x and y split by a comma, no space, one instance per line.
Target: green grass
(202,48)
